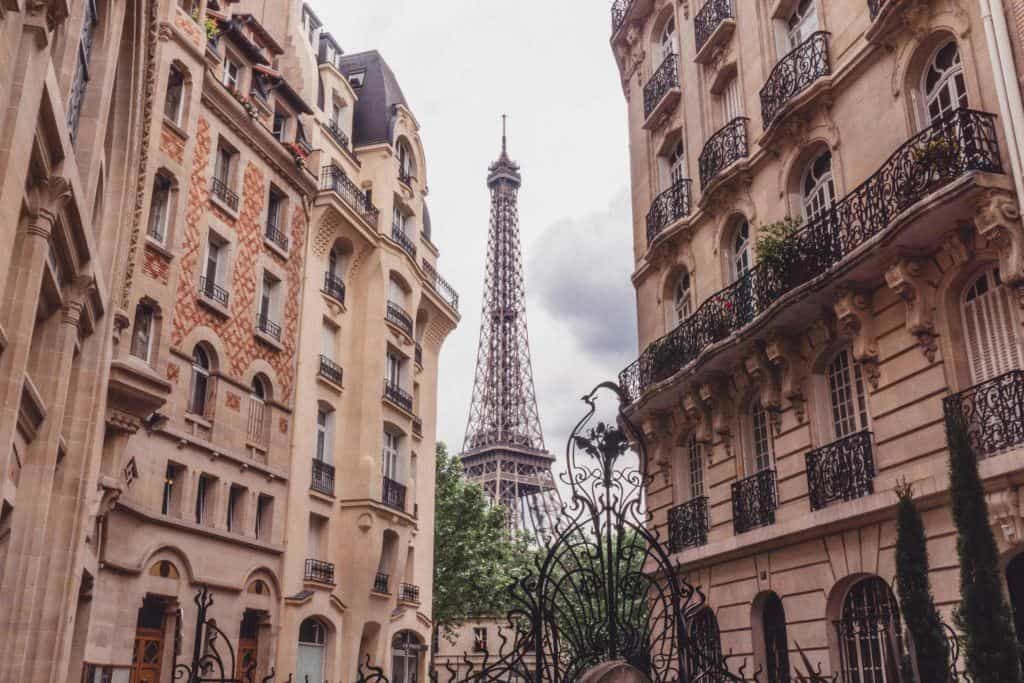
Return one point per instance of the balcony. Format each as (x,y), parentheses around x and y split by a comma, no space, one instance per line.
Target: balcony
(333,179)
(220,190)
(712,26)
(417,426)
(268,327)
(754,501)
(393,494)
(380,583)
(668,207)
(403,240)
(320,572)
(214,292)
(688,525)
(620,8)
(334,287)
(843,470)
(441,286)
(407,592)
(323,478)
(662,92)
(992,412)
(794,74)
(727,146)
(275,236)
(335,131)
(331,371)
(964,142)
(397,316)
(397,395)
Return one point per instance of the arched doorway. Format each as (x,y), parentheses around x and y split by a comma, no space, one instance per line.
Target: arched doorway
(776,642)
(869,631)
(406,650)
(705,641)
(309,667)
(1015,584)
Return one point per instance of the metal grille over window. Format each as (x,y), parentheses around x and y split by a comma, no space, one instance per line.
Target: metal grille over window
(870,624)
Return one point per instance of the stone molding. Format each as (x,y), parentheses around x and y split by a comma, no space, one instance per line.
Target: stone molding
(906,278)
(856,320)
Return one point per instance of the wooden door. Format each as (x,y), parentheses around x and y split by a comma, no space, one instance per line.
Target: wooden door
(147,656)
(246,660)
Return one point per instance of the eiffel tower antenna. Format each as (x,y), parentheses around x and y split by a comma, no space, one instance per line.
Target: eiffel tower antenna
(504,448)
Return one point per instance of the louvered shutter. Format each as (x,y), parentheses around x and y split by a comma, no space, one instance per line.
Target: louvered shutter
(992,345)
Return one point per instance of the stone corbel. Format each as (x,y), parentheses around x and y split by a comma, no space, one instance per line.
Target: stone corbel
(906,278)
(698,419)
(998,221)
(954,250)
(718,398)
(764,377)
(658,432)
(781,352)
(855,320)
(1004,510)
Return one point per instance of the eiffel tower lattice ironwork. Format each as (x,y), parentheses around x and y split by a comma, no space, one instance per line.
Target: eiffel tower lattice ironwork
(504,448)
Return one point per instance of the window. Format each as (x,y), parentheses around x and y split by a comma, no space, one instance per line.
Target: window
(818,189)
(479,639)
(334,263)
(393,369)
(312,646)
(236,503)
(776,642)
(405,657)
(142,332)
(390,456)
(264,517)
(705,640)
(173,103)
(399,220)
(280,129)
(323,434)
(258,432)
(682,303)
(200,381)
(204,491)
(174,476)
(212,281)
(802,23)
(945,89)
(81,78)
(357,78)
(741,257)
(405,166)
(329,340)
(668,39)
(990,334)
(847,395)
(760,455)
(224,163)
(870,619)
(275,209)
(696,468)
(732,100)
(676,164)
(232,73)
(159,209)
(337,114)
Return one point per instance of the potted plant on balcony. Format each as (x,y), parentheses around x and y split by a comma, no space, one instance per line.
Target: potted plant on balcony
(934,160)
(777,252)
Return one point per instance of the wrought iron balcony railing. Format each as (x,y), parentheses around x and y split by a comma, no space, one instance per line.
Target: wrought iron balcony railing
(794,73)
(992,412)
(380,583)
(709,18)
(397,395)
(393,494)
(333,179)
(220,190)
(404,241)
(268,327)
(331,371)
(754,501)
(334,287)
(727,146)
(663,80)
(963,142)
(212,291)
(319,571)
(397,316)
(417,426)
(323,478)
(407,592)
(274,234)
(335,131)
(441,286)
(619,10)
(668,207)
(688,524)
(842,470)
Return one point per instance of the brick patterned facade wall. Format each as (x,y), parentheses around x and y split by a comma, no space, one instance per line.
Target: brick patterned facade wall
(236,332)
(189,27)
(171,144)
(156,265)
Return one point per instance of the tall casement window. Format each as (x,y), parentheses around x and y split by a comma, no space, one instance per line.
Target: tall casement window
(695,467)
(142,332)
(324,427)
(801,23)
(405,163)
(944,86)
(676,164)
(312,645)
(705,640)
(280,129)
(759,448)
(731,100)
(393,369)
(174,102)
(870,618)
(264,517)
(682,300)
(776,642)
(200,395)
(847,396)
(160,208)
(390,456)
(818,189)
(668,39)
(232,73)
(214,273)
(259,423)
(81,78)
(740,250)
(990,336)
(405,657)
(204,487)
(334,263)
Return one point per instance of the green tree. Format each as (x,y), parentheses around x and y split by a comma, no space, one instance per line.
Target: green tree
(983,616)
(916,601)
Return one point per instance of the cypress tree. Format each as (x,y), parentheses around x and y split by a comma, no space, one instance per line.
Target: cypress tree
(916,602)
(983,617)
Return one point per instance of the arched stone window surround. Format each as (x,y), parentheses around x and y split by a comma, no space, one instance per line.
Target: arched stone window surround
(755,431)
(405,154)
(172,554)
(674,138)
(685,263)
(727,235)
(261,367)
(339,258)
(834,605)
(759,621)
(658,28)
(326,635)
(153,334)
(798,162)
(181,120)
(821,418)
(914,56)
(267,576)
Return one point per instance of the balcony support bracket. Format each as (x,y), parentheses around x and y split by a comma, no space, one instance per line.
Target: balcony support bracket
(718,396)
(998,221)
(855,320)
(765,378)
(782,352)
(906,279)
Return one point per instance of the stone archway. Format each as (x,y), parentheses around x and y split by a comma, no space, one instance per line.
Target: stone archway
(614,672)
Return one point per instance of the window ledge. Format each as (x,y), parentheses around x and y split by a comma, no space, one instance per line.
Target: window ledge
(214,306)
(199,420)
(267,339)
(176,128)
(333,305)
(275,247)
(158,247)
(334,386)
(316,495)
(222,205)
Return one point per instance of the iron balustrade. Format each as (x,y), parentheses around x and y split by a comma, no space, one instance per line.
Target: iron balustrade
(330,370)
(963,142)
(275,235)
(441,286)
(417,426)
(795,73)
(408,592)
(668,207)
(380,583)
(333,179)
(397,395)
(843,470)
(404,241)
(754,501)
(323,478)
(319,571)
(664,79)
(727,146)
(221,191)
(211,290)
(688,524)
(335,131)
(418,354)
(334,287)
(393,494)
(709,18)
(619,10)
(268,327)
(397,316)
(992,412)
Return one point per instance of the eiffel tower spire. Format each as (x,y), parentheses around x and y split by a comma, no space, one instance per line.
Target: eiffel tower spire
(504,448)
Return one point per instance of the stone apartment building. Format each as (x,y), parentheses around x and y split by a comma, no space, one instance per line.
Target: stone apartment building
(219,333)
(791,373)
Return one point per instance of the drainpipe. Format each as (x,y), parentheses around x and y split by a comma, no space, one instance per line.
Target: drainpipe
(1011,108)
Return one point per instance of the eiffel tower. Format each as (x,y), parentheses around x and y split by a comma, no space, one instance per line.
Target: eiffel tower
(504,448)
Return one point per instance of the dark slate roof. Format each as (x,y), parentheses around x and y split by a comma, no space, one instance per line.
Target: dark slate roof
(374,120)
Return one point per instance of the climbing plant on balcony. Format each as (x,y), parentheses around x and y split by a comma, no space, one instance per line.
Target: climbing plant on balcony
(773,246)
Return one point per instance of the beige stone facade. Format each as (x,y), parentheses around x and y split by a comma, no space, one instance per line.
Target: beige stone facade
(219,331)
(786,387)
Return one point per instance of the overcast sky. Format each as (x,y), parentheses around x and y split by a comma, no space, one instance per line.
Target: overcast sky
(461,64)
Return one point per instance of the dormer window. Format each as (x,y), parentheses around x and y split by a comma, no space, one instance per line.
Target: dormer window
(357,78)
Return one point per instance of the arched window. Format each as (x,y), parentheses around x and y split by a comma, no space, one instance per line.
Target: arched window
(334,263)
(759,446)
(258,432)
(682,299)
(200,395)
(405,163)
(312,644)
(740,256)
(776,642)
(668,38)
(406,648)
(990,335)
(706,643)
(944,87)
(174,103)
(847,395)
(870,621)
(802,23)
(324,431)
(818,189)
(143,332)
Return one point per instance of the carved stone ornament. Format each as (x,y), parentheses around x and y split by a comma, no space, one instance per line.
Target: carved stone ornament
(45,200)
(698,420)
(658,433)
(998,221)
(781,352)
(954,250)
(765,379)
(717,395)
(855,320)
(906,278)
(54,11)
(1004,509)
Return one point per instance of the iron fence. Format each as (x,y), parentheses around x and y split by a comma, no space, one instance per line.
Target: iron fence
(335,131)
(334,287)
(397,316)
(319,571)
(441,286)
(709,18)
(276,236)
(407,592)
(211,290)
(221,191)
(397,395)
(380,583)
(399,235)
(268,327)
(330,370)
(393,494)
